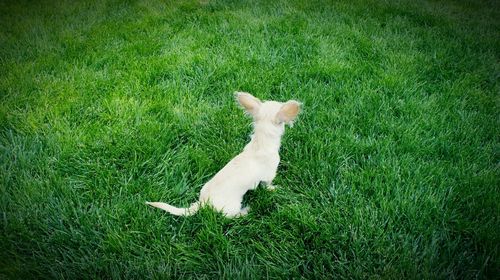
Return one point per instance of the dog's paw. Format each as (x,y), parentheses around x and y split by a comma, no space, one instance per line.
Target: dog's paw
(244,211)
(271,187)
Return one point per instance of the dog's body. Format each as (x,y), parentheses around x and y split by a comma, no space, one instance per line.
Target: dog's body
(257,163)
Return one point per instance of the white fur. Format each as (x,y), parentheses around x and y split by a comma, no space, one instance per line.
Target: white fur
(257,163)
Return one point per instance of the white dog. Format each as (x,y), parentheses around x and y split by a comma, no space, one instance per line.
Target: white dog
(257,163)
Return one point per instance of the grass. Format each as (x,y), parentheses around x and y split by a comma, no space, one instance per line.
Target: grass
(391,171)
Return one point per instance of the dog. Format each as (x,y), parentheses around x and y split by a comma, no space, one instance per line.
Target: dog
(257,162)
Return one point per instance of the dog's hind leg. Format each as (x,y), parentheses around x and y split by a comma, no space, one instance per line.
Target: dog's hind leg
(242,212)
(238,212)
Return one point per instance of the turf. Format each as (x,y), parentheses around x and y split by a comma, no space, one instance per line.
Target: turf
(391,171)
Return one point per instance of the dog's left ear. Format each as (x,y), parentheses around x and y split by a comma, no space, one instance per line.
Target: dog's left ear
(289,112)
(250,103)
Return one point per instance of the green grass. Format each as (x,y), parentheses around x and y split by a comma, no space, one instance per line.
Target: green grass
(391,171)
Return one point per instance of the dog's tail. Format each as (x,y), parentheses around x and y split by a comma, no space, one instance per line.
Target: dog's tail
(191,210)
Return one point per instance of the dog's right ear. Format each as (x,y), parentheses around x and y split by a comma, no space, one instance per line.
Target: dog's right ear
(250,103)
(289,112)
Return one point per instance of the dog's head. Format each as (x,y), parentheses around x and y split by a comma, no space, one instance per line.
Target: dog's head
(269,112)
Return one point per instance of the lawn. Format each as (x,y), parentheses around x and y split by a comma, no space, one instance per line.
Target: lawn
(391,171)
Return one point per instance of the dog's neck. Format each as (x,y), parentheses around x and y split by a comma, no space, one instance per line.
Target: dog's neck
(265,138)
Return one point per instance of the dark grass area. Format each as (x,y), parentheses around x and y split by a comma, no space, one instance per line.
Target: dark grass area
(391,171)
